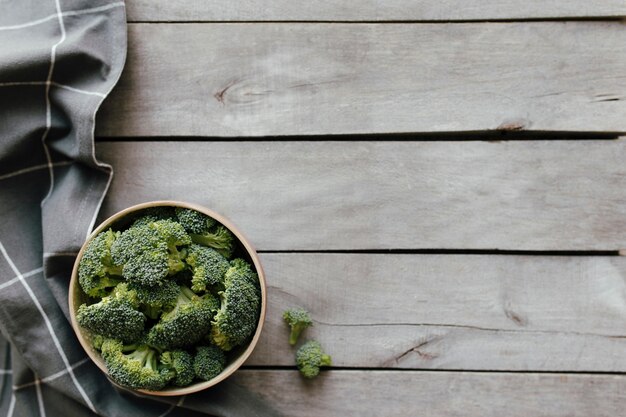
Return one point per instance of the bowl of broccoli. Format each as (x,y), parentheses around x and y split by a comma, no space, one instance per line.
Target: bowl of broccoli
(167,298)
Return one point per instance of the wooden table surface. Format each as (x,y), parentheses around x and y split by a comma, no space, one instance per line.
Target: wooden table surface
(441,184)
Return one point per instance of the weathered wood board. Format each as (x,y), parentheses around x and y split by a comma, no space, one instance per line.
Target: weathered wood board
(312,79)
(517,195)
(462,312)
(435,394)
(367,10)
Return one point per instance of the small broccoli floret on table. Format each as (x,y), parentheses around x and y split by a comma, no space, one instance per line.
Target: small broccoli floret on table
(310,357)
(193,221)
(180,362)
(187,323)
(298,319)
(150,252)
(208,362)
(219,238)
(153,301)
(207,265)
(96,270)
(238,315)
(115,316)
(135,366)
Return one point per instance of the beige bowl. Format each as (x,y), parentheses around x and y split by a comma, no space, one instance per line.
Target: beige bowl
(236,357)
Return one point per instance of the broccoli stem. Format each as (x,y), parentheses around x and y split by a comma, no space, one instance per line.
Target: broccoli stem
(115,270)
(295,334)
(326,360)
(186,293)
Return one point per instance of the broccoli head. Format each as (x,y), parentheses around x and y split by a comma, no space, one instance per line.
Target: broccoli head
(193,221)
(149,252)
(180,362)
(114,316)
(310,357)
(238,315)
(135,366)
(153,214)
(96,270)
(187,323)
(155,300)
(298,319)
(208,362)
(219,238)
(208,266)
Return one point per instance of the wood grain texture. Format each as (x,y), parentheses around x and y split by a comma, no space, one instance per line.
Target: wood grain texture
(518,195)
(435,394)
(311,79)
(367,10)
(464,312)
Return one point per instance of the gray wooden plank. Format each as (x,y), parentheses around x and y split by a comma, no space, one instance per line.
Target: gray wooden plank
(518,195)
(411,393)
(459,312)
(310,79)
(367,10)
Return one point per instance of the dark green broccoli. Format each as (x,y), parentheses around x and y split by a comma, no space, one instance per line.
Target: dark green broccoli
(135,366)
(155,300)
(115,316)
(96,271)
(208,362)
(186,324)
(219,238)
(193,221)
(298,319)
(238,315)
(149,252)
(310,357)
(208,266)
(153,214)
(181,363)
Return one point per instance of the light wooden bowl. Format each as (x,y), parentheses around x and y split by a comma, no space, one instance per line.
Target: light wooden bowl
(236,357)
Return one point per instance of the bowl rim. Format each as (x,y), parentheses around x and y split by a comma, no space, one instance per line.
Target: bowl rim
(232,367)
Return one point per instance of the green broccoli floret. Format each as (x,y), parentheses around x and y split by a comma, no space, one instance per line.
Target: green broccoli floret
(310,357)
(114,316)
(186,324)
(153,214)
(96,270)
(238,315)
(181,363)
(219,238)
(298,319)
(208,266)
(149,252)
(208,362)
(193,221)
(134,366)
(155,300)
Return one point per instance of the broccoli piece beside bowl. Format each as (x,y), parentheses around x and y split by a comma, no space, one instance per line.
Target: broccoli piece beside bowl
(310,357)
(298,319)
